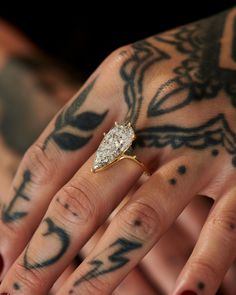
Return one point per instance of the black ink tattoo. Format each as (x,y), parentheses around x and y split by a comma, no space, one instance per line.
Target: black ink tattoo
(67,207)
(232,226)
(182,169)
(63,239)
(132,72)
(215,131)
(137,222)
(173,181)
(70,121)
(16,286)
(215,152)
(201,73)
(8,213)
(111,259)
(201,286)
(204,72)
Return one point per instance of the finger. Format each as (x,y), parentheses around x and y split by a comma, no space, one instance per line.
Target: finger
(214,252)
(134,283)
(74,214)
(183,234)
(136,228)
(194,216)
(170,259)
(63,277)
(229,283)
(63,147)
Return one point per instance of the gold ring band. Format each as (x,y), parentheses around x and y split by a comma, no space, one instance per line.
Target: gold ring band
(113,147)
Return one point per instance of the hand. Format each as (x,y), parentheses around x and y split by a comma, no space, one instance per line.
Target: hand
(178,91)
(18,65)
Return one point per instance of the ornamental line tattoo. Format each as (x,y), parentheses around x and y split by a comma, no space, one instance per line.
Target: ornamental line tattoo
(63,239)
(132,72)
(70,121)
(111,259)
(8,213)
(207,69)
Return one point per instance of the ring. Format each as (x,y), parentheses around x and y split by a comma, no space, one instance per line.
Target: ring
(116,146)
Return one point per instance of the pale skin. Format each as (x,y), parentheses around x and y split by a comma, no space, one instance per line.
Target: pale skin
(178,91)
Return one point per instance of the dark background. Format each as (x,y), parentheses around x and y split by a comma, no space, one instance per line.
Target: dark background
(83,36)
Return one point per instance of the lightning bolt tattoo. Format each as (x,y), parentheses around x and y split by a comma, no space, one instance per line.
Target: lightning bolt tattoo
(111,259)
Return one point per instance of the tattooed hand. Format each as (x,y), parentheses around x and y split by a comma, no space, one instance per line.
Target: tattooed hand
(178,90)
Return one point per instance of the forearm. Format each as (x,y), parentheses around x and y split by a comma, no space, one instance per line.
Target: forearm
(32,88)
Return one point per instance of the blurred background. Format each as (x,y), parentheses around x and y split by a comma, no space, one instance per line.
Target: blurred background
(83,34)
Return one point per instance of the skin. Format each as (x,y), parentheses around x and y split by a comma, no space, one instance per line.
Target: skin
(178,91)
(14,211)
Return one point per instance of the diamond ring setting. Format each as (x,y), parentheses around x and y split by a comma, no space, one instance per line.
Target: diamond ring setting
(115,146)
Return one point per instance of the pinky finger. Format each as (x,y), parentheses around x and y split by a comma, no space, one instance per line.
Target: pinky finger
(214,251)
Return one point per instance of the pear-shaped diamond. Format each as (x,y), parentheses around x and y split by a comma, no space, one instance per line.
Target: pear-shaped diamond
(114,143)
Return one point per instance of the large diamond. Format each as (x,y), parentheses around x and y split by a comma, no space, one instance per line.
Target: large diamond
(114,143)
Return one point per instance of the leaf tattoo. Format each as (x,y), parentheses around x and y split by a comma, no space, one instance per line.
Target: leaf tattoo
(70,121)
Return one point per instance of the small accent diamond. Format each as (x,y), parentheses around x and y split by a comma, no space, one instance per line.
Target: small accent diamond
(114,144)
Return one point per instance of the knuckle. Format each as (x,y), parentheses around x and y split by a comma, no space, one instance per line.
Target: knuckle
(77,203)
(95,286)
(120,55)
(141,220)
(226,223)
(29,278)
(38,161)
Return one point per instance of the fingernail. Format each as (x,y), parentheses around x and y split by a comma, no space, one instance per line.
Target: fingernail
(185,293)
(1,264)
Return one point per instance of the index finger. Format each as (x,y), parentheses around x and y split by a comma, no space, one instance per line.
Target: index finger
(66,143)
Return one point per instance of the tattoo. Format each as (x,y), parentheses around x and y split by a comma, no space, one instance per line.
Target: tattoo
(215,152)
(200,73)
(132,72)
(201,286)
(232,226)
(70,121)
(173,181)
(207,69)
(8,213)
(137,222)
(16,286)
(215,131)
(63,239)
(111,259)
(182,170)
(67,207)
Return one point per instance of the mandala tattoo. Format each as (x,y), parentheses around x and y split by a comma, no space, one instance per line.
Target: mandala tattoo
(70,122)
(208,68)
